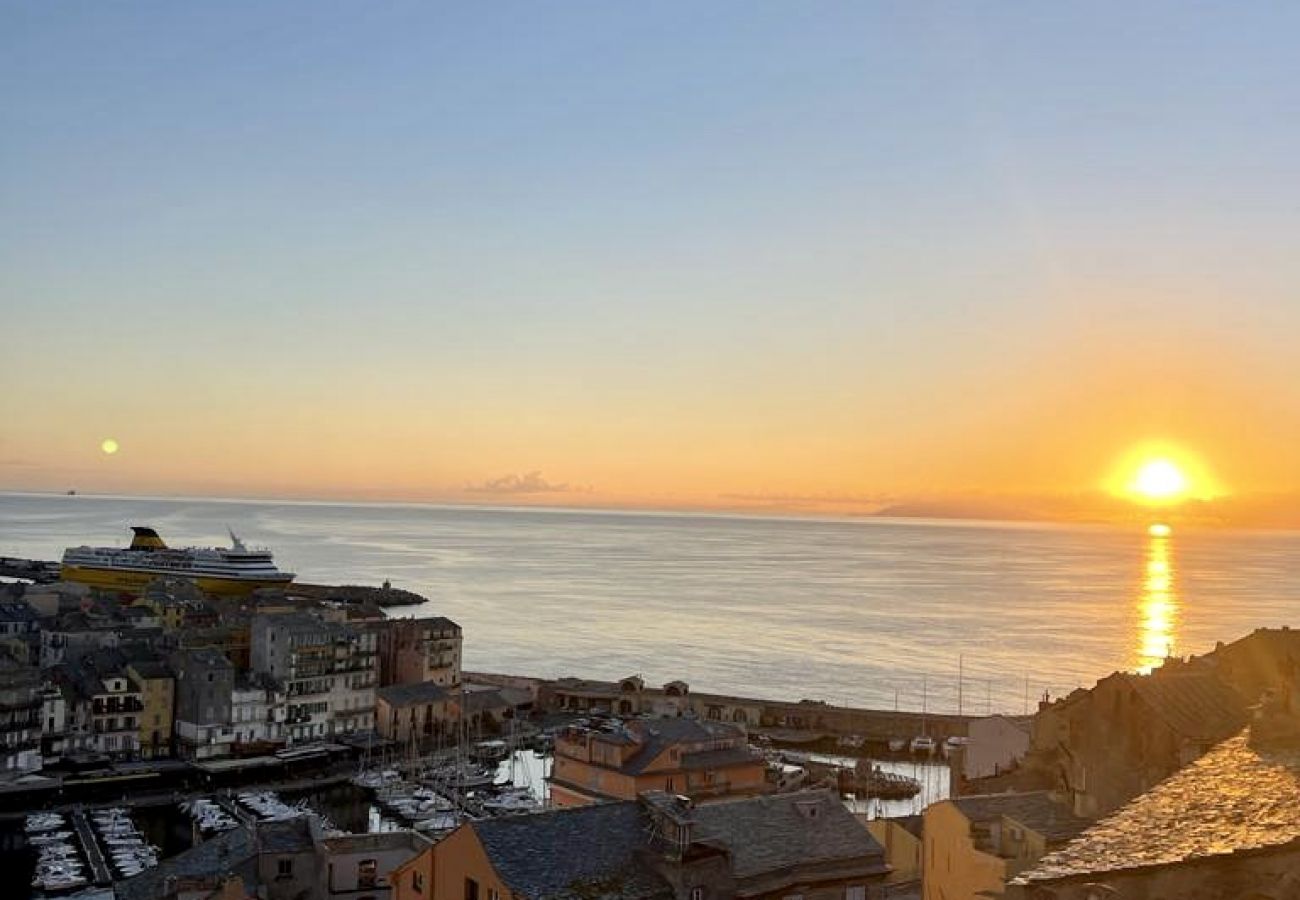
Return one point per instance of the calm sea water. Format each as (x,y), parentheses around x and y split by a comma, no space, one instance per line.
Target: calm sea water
(871,611)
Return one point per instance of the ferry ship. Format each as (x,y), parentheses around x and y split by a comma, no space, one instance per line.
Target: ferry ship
(217,570)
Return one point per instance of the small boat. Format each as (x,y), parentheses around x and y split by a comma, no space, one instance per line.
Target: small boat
(923,744)
(897,745)
(953,744)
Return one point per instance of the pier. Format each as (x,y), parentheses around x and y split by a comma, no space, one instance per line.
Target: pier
(40,571)
(90,847)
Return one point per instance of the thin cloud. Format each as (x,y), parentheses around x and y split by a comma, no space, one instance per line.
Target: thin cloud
(528,483)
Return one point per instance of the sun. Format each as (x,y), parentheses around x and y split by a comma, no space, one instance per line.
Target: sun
(1160,480)
(1162,474)
(109,446)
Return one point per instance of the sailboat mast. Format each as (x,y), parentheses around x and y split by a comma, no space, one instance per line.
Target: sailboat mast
(959,683)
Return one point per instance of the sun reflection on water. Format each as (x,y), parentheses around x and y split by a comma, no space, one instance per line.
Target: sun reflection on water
(1158,604)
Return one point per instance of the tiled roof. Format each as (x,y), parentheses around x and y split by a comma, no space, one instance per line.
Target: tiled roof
(772,833)
(1036,810)
(586,851)
(417,694)
(1234,798)
(1196,704)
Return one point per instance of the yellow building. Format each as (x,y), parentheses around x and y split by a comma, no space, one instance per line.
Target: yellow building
(974,845)
(901,839)
(158,694)
(702,760)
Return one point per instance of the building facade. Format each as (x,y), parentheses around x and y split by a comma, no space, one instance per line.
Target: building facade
(414,651)
(974,845)
(328,670)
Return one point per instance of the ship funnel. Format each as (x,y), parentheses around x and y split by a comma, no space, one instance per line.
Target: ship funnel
(146,539)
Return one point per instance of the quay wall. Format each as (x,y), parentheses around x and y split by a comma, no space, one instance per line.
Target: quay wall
(631,697)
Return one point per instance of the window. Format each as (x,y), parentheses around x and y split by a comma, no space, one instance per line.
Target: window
(283,868)
(417,882)
(367,875)
(855,892)
(494,894)
(471,889)
(697,893)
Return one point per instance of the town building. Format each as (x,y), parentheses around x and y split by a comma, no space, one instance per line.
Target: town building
(205,684)
(329,672)
(292,860)
(105,704)
(18,618)
(996,745)
(258,710)
(69,636)
(703,760)
(660,847)
(57,739)
(177,603)
(1104,746)
(414,651)
(901,839)
(974,845)
(158,693)
(362,865)
(1226,827)
(419,713)
(21,706)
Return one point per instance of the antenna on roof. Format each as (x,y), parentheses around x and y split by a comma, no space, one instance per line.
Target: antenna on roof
(235,542)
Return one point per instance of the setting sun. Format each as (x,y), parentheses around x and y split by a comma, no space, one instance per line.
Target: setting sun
(1162,474)
(1160,479)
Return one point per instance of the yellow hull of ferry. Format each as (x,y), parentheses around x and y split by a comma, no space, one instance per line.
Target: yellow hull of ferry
(127,581)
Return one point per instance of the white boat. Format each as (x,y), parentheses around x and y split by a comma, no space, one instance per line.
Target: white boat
(897,745)
(953,744)
(923,744)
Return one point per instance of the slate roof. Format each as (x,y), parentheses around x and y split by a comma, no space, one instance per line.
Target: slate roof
(417,694)
(771,833)
(480,701)
(291,836)
(586,851)
(230,852)
(1234,798)
(718,759)
(1036,810)
(657,735)
(1196,704)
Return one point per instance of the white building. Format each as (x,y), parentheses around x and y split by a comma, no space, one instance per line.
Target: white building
(328,671)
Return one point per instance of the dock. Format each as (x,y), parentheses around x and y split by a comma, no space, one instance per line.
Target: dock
(90,847)
(40,571)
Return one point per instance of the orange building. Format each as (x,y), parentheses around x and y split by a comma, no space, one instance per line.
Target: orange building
(661,847)
(701,760)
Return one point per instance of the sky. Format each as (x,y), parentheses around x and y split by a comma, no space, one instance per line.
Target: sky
(821,256)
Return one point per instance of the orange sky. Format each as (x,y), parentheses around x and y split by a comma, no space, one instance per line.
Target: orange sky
(958,261)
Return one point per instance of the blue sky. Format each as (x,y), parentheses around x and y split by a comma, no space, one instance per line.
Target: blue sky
(739,226)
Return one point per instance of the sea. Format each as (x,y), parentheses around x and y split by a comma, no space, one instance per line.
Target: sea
(911,614)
